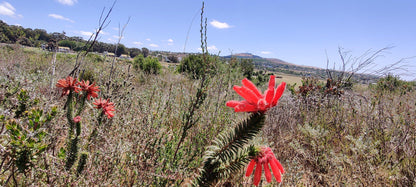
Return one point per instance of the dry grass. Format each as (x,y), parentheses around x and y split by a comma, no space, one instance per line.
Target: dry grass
(290,79)
(363,138)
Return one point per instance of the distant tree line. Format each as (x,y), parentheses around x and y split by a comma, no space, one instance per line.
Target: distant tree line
(13,34)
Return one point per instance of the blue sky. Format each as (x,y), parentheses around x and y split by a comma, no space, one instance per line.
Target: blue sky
(299,32)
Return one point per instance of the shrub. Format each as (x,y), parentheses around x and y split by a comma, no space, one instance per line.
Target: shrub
(138,62)
(247,67)
(173,59)
(150,65)
(392,84)
(195,67)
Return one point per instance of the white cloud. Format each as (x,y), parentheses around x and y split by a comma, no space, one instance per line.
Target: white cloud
(170,41)
(85,33)
(219,25)
(210,48)
(148,39)
(138,43)
(117,37)
(111,40)
(153,45)
(57,16)
(67,2)
(266,52)
(8,10)
(104,33)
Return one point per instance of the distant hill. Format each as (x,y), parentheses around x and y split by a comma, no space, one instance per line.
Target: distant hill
(278,65)
(243,55)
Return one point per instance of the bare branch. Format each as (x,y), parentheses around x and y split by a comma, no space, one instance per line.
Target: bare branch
(120,36)
(102,24)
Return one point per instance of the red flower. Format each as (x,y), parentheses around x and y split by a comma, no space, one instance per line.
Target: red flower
(265,158)
(67,85)
(77,119)
(106,105)
(91,90)
(254,100)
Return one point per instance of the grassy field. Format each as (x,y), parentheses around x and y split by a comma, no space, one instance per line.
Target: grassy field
(290,79)
(364,137)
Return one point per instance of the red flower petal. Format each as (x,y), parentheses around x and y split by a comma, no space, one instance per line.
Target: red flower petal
(269,93)
(245,107)
(279,166)
(275,170)
(272,82)
(257,174)
(269,96)
(247,83)
(250,167)
(267,172)
(247,94)
(77,119)
(109,114)
(279,92)
(232,103)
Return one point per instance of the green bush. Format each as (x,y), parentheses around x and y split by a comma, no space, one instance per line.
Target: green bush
(247,67)
(149,64)
(393,83)
(195,65)
(138,62)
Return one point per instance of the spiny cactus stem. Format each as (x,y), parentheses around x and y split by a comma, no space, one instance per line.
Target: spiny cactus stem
(255,123)
(232,143)
(69,111)
(82,105)
(100,117)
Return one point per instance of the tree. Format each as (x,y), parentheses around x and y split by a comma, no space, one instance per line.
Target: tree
(58,36)
(152,65)
(195,65)
(148,64)
(134,52)
(145,52)
(43,35)
(247,67)
(138,62)
(121,49)
(67,43)
(173,59)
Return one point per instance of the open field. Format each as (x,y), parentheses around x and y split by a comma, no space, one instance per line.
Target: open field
(363,137)
(290,79)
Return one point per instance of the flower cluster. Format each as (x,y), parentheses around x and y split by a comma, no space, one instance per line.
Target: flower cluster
(106,105)
(264,159)
(90,90)
(254,100)
(69,84)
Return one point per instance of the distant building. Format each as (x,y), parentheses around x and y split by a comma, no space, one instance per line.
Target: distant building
(106,53)
(124,56)
(64,49)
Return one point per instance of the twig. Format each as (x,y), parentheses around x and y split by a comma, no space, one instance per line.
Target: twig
(120,34)
(103,23)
